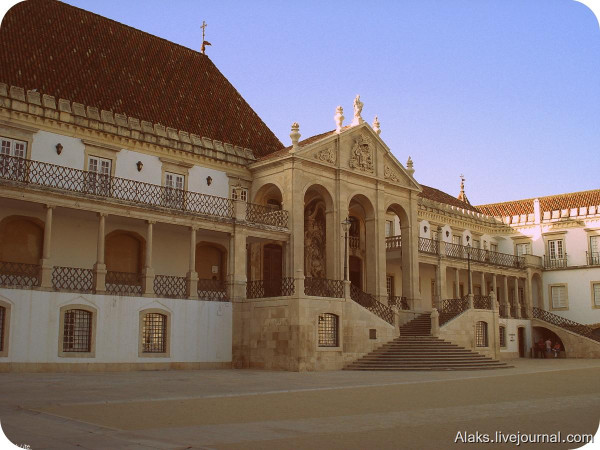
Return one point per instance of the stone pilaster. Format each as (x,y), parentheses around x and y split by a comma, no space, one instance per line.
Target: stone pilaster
(46,267)
(148,274)
(100,266)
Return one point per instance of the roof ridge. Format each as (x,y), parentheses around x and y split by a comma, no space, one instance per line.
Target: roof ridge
(540,198)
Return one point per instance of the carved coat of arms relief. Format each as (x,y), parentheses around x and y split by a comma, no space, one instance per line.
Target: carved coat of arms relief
(361,156)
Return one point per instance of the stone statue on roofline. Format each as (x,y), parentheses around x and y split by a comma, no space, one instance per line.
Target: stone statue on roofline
(358,106)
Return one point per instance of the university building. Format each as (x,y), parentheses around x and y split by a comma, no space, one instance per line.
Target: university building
(149,219)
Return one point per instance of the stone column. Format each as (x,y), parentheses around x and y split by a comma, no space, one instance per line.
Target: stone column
(410,263)
(238,269)
(46,267)
(241,309)
(148,274)
(440,281)
(456,283)
(495,285)
(100,266)
(516,299)
(192,275)
(505,302)
(495,324)
(483,286)
(529,293)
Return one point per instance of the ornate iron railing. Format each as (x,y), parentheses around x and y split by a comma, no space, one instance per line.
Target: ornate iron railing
(393,242)
(455,250)
(89,183)
(266,215)
(73,279)
(593,258)
(323,287)
(555,263)
(123,283)
(482,302)
(170,286)
(451,308)
(267,288)
(430,246)
(400,302)
(372,304)
(19,274)
(569,325)
(213,290)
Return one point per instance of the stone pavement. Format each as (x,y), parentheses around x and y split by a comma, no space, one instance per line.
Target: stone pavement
(226,409)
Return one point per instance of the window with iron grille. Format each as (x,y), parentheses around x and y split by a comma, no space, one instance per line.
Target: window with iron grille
(481,335)
(389,282)
(502,336)
(595,295)
(77,333)
(154,333)
(328,330)
(2,326)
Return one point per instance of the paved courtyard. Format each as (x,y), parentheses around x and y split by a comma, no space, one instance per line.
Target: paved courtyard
(234,409)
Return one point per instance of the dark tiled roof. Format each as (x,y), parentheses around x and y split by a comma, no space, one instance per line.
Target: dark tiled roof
(439,196)
(70,53)
(303,143)
(548,203)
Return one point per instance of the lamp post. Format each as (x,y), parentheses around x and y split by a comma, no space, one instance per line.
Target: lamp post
(346,226)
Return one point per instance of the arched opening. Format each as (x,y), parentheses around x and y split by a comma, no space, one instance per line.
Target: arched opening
(542,334)
(211,261)
(124,252)
(318,232)
(398,248)
(269,195)
(362,261)
(21,240)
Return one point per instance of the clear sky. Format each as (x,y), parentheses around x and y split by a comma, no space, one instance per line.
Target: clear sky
(505,91)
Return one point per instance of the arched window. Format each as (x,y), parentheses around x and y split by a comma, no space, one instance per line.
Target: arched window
(502,336)
(481,334)
(77,331)
(154,333)
(328,330)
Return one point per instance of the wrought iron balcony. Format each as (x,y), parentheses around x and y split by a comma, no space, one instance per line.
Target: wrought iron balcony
(66,179)
(73,279)
(170,286)
(593,258)
(430,246)
(123,283)
(270,288)
(19,275)
(323,287)
(555,263)
(213,290)
(482,302)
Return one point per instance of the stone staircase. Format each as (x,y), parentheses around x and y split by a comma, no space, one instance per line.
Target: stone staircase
(416,349)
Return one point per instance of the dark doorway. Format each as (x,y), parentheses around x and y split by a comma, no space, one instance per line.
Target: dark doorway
(521,337)
(272,269)
(355,269)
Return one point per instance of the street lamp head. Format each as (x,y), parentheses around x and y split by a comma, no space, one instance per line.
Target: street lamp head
(346,224)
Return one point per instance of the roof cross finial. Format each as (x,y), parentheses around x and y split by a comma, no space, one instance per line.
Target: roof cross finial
(204,41)
(462,196)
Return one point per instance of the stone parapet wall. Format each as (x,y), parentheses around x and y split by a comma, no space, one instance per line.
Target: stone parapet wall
(461,331)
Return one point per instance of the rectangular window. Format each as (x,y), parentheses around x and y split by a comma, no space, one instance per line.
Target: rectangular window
(556,249)
(77,333)
(98,176)
(493,247)
(12,147)
(523,249)
(476,243)
(457,240)
(13,169)
(594,250)
(502,336)
(154,333)
(559,296)
(390,286)
(389,228)
(328,330)
(239,193)
(596,294)
(174,193)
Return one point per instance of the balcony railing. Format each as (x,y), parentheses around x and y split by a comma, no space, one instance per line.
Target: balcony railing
(123,283)
(170,286)
(323,287)
(19,274)
(555,263)
(354,241)
(393,242)
(593,258)
(270,288)
(482,302)
(400,302)
(73,279)
(213,290)
(430,246)
(451,308)
(266,215)
(372,304)
(67,179)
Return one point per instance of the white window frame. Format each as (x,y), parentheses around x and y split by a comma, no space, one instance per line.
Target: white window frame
(595,290)
(174,190)
(594,242)
(457,239)
(13,169)
(560,292)
(13,147)
(493,247)
(556,249)
(523,248)
(239,193)
(99,172)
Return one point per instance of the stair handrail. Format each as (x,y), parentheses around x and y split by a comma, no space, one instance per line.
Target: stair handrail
(369,302)
(451,308)
(566,324)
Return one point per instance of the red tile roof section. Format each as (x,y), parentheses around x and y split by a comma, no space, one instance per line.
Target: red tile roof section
(309,140)
(74,54)
(548,203)
(439,196)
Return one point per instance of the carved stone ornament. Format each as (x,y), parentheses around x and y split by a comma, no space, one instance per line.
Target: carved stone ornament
(362,154)
(390,174)
(326,154)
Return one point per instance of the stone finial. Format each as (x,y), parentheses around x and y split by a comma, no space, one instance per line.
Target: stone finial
(462,196)
(339,119)
(376,126)
(295,135)
(409,166)
(358,106)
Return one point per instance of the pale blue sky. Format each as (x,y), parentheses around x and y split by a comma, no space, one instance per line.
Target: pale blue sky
(505,91)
